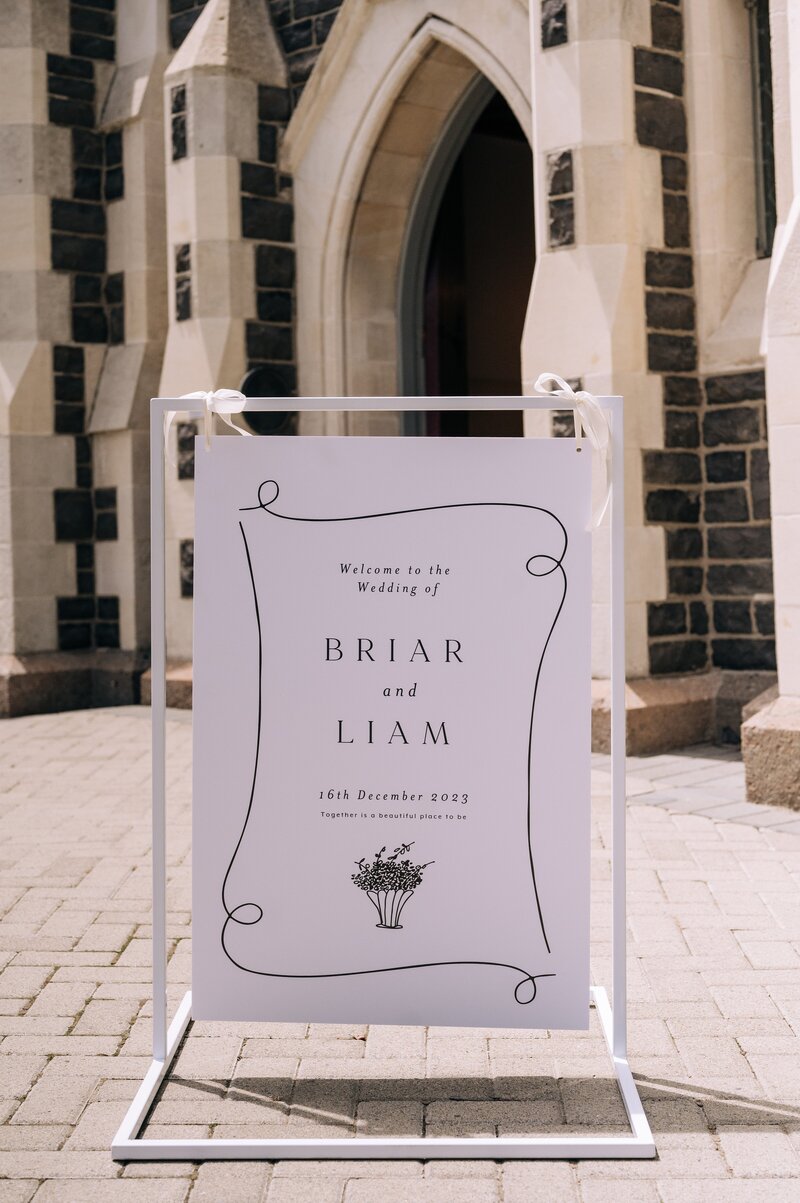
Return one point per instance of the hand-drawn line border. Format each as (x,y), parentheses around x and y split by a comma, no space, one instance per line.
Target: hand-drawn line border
(236,914)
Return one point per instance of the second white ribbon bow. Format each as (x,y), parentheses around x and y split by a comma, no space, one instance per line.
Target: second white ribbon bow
(589,417)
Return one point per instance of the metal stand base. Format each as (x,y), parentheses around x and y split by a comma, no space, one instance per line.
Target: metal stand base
(127,1146)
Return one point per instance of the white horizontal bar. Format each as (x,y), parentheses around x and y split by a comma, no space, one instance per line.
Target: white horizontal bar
(189,405)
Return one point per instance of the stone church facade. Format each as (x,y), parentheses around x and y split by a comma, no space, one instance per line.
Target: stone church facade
(366,197)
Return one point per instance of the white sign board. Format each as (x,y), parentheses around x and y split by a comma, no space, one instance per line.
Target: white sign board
(392,731)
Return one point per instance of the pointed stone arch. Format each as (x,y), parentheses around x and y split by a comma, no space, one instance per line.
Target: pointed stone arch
(377,107)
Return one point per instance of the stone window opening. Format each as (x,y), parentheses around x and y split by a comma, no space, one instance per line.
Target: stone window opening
(763,137)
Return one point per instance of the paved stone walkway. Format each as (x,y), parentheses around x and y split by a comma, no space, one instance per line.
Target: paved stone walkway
(714,1012)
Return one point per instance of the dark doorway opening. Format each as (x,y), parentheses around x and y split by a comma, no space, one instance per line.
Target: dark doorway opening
(478,275)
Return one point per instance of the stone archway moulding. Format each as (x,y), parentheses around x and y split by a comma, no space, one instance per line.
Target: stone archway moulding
(367,63)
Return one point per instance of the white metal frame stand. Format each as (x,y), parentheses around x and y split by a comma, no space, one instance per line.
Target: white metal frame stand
(127,1145)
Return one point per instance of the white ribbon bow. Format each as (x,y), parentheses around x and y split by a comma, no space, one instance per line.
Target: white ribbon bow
(224,401)
(589,417)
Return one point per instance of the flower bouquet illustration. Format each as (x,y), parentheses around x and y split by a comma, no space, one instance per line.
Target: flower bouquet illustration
(389,882)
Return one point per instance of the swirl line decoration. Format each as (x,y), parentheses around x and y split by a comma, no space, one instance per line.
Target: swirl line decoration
(250,913)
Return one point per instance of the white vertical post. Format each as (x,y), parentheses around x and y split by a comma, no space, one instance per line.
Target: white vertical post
(617,545)
(158,704)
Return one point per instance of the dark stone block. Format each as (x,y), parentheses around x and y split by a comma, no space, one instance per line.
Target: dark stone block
(267,143)
(661,122)
(87,148)
(677,656)
(674,173)
(183,258)
(270,220)
(671,353)
(72,253)
(92,20)
(722,466)
(59,64)
(654,70)
(63,111)
(106,527)
(310,8)
(726,505)
(76,89)
(666,618)
(669,310)
(185,439)
(562,422)
(73,515)
(740,543)
(298,36)
(89,324)
(759,482)
(180,24)
(86,289)
(72,608)
(256,179)
(739,425)
(676,220)
(671,467)
(752,654)
(68,388)
(281,11)
(187,567)
(698,618)
(108,6)
(274,267)
(106,634)
(666,269)
(177,98)
(266,342)
(87,45)
(84,555)
(105,498)
(274,104)
(108,608)
(84,477)
(561,222)
(740,386)
(554,23)
(666,25)
(681,579)
(681,390)
(179,137)
(72,636)
(77,217)
(68,419)
(112,148)
(765,617)
(274,306)
(116,325)
(183,299)
(686,544)
(322,27)
(739,580)
(87,183)
(114,188)
(68,359)
(672,505)
(85,582)
(83,451)
(115,288)
(732,617)
(560,178)
(681,428)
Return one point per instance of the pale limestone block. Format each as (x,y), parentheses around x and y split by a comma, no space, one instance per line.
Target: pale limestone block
(23,86)
(391,178)
(784,457)
(605,82)
(43,569)
(602,20)
(219,105)
(637,658)
(235,36)
(410,129)
(24,231)
(736,341)
(215,199)
(52,306)
(557,110)
(18,297)
(43,462)
(787,637)
(35,623)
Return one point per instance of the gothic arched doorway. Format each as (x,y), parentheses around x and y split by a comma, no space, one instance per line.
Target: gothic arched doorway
(467,267)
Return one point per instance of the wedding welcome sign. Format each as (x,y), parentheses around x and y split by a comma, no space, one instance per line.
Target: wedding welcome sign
(391,731)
